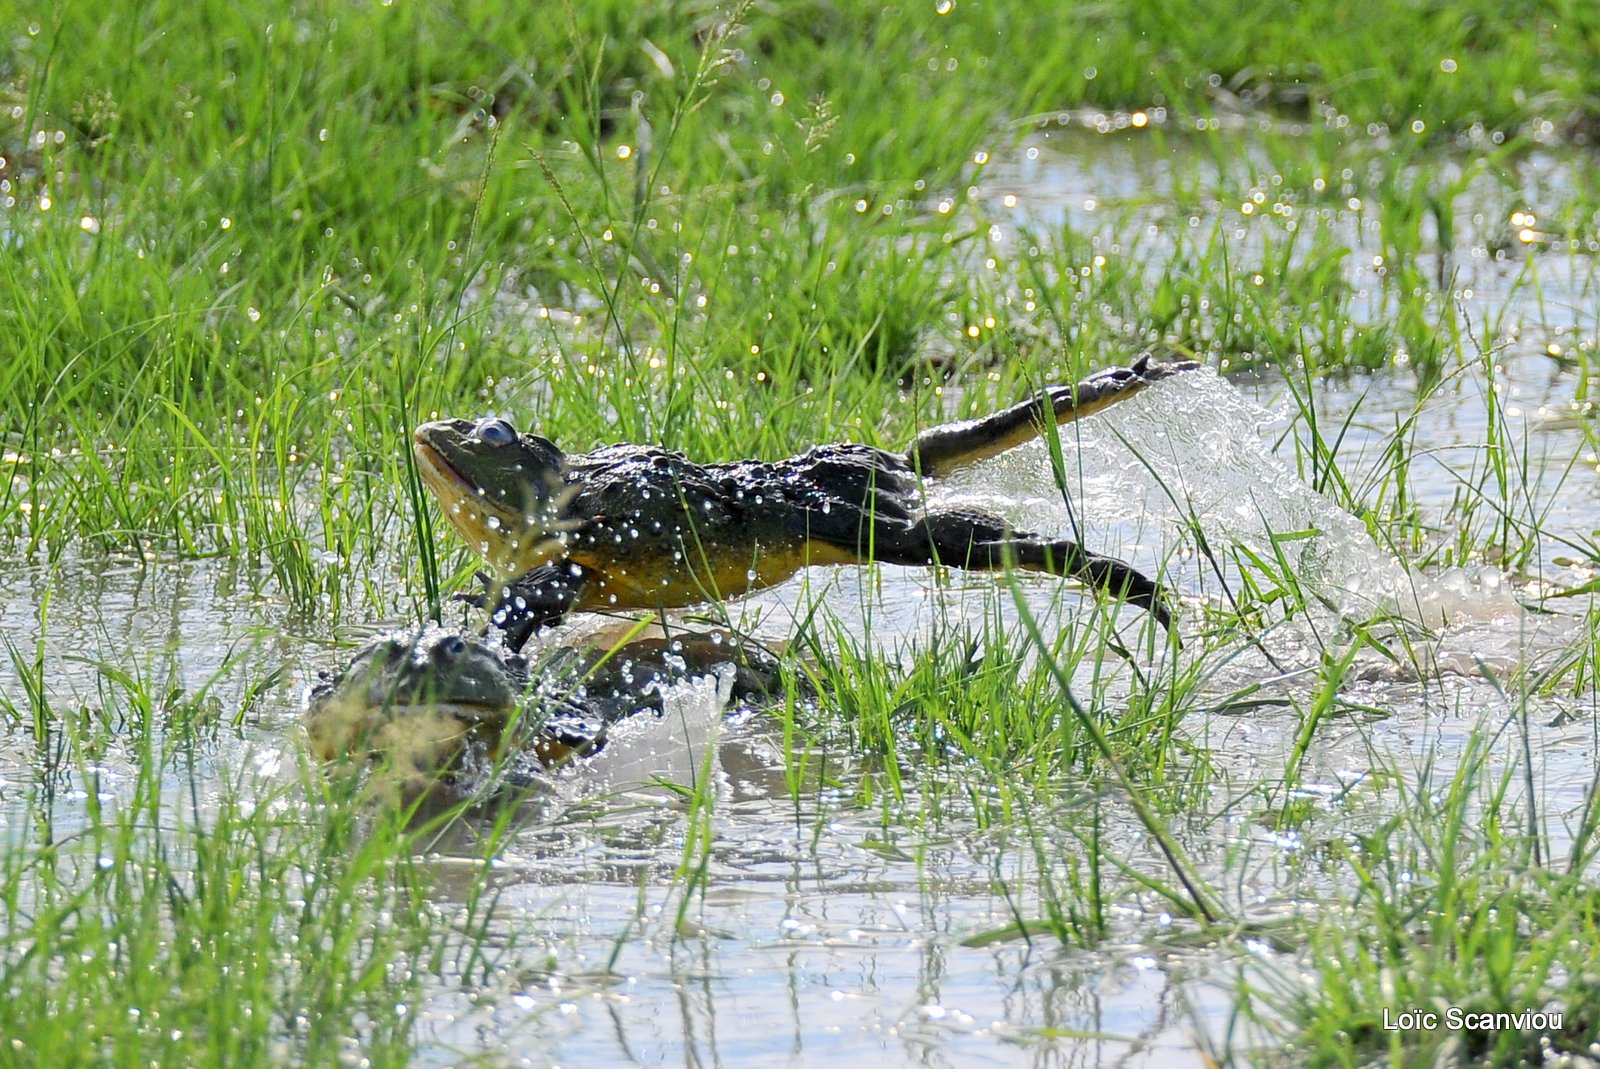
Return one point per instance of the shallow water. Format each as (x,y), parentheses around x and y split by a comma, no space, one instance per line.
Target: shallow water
(829,932)
(1141,194)
(825,932)
(811,943)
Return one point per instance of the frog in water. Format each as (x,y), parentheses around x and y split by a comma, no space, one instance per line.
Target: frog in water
(442,707)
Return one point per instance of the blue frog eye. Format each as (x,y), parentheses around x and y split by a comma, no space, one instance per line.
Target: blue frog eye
(495,432)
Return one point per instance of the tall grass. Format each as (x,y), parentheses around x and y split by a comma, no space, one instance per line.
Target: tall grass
(690,228)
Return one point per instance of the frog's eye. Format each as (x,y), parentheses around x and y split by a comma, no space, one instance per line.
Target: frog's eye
(450,648)
(495,432)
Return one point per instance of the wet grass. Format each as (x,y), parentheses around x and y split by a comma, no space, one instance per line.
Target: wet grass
(247,248)
(181,912)
(1461,907)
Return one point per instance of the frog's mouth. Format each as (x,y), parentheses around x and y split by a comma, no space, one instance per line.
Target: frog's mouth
(341,724)
(512,539)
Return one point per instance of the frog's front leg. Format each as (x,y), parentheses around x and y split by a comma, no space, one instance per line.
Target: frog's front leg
(535,599)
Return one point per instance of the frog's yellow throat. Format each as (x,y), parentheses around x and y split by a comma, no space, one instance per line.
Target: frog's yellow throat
(514,540)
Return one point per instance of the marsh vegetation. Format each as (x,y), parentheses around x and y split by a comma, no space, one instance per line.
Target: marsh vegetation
(245,249)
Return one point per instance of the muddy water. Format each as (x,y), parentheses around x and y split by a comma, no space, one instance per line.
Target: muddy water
(830,933)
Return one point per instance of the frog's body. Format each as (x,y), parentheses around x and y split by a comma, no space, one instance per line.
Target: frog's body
(629,527)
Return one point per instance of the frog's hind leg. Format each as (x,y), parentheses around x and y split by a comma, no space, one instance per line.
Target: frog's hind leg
(967,538)
(938,451)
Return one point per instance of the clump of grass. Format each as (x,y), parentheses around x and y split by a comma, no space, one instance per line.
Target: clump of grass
(179,917)
(976,699)
(1446,904)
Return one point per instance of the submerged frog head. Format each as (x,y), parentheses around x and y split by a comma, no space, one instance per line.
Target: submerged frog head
(503,491)
(443,713)
(417,696)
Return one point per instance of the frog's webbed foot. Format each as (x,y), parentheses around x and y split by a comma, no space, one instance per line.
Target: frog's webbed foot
(1105,388)
(1116,578)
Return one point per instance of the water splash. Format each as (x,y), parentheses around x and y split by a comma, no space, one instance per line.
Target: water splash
(1192,447)
(645,750)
